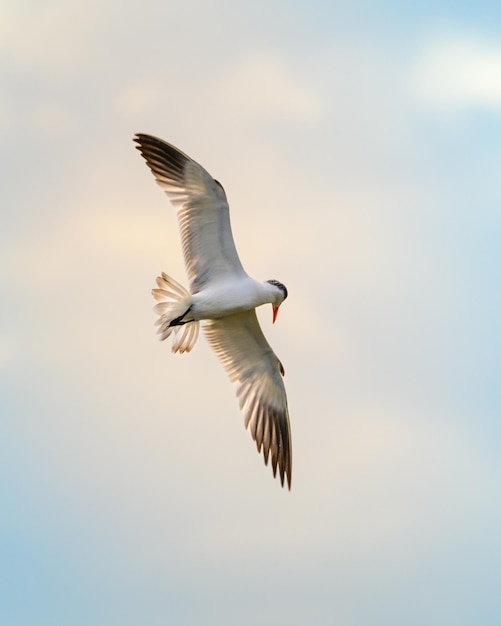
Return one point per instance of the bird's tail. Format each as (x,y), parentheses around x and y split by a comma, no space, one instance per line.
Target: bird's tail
(173,310)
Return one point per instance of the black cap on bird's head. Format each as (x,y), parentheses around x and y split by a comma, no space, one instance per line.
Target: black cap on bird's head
(283,289)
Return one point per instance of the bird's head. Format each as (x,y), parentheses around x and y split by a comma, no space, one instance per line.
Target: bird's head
(279,295)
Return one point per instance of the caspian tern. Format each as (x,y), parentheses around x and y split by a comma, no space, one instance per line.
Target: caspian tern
(221,296)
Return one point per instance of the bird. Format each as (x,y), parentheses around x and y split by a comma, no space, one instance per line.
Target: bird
(222,298)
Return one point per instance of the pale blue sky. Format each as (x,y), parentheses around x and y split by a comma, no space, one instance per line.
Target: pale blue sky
(359,145)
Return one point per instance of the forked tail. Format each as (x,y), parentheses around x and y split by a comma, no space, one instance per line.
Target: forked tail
(173,310)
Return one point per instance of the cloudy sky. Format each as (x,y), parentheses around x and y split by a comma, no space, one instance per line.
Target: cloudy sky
(359,145)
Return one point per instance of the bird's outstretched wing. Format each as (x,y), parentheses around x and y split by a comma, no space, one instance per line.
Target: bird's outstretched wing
(250,362)
(202,210)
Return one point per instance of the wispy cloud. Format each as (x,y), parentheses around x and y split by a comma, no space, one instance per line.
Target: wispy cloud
(458,72)
(263,85)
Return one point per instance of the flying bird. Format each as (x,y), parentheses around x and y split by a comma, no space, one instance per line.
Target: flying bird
(222,297)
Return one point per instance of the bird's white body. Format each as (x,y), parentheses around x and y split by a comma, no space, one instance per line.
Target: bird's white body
(222,297)
(226,297)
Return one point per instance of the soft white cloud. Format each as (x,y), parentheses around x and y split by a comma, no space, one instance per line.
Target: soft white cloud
(458,72)
(53,36)
(83,246)
(263,85)
(137,98)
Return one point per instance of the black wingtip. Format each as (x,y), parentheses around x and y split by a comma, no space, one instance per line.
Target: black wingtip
(141,138)
(138,137)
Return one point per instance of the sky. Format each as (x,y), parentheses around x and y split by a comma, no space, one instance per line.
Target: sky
(359,146)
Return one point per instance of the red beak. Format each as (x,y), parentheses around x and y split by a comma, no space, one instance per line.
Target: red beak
(275,312)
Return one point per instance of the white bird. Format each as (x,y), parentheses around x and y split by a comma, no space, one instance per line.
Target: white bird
(223,297)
